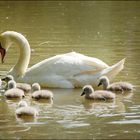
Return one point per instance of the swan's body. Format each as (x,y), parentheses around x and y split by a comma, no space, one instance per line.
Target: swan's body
(23,86)
(117,86)
(68,70)
(13,92)
(89,93)
(25,110)
(41,94)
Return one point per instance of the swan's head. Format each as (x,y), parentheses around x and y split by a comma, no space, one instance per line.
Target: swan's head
(11,84)
(22,104)
(104,81)
(35,87)
(5,43)
(6,40)
(88,89)
(8,78)
(3,52)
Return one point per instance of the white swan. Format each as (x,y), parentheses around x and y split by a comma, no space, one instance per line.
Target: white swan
(68,70)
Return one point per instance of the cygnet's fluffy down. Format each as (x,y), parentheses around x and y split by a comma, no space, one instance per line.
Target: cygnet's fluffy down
(35,87)
(41,94)
(24,86)
(118,86)
(13,92)
(89,93)
(25,110)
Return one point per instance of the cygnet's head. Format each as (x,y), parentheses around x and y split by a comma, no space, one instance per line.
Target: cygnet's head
(22,104)
(35,87)
(8,78)
(88,89)
(11,84)
(104,81)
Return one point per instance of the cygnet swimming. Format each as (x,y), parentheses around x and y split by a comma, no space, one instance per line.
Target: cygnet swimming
(24,86)
(89,93)
(118,86)
(13,92)
(41,94)
(25,110)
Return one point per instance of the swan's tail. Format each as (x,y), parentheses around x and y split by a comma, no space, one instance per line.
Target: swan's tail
(92,76)
(110,72)
(113,70)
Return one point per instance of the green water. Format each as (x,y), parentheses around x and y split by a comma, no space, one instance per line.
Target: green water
(108,30)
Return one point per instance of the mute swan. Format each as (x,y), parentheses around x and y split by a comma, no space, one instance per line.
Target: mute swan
(118,86)
(97,95)
(68,70)
(41,94)
(24,86)
(25,110)
(13,92)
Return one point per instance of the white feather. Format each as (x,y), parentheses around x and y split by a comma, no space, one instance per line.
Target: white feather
(68,70)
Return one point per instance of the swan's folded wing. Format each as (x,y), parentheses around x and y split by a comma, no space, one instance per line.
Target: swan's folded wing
(97,67)
(68,65)
(108,71)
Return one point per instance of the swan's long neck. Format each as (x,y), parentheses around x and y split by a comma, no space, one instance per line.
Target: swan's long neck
(22,64)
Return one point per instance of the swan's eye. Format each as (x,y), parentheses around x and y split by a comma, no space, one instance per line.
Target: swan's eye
(3,52)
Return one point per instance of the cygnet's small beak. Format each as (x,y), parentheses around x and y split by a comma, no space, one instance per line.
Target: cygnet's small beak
(82,93)
(99,84)
(4,79)
(3,52)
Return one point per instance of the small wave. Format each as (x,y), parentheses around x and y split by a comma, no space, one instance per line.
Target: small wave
(71,124)
(125,122)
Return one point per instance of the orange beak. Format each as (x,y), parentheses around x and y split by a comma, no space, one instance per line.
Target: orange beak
(3,52)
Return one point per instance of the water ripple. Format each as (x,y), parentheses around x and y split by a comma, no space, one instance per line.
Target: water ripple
(71,124)
(135,121)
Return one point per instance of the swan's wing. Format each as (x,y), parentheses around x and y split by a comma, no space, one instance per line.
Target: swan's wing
(96,68)
(68,64)
(110,72)
(70,70)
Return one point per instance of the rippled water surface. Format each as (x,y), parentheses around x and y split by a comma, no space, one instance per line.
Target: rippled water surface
(108,30)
